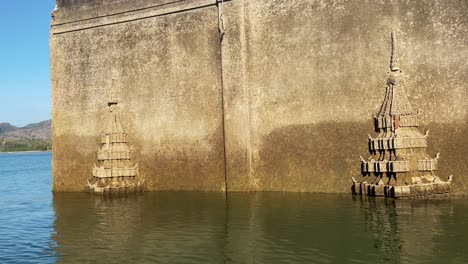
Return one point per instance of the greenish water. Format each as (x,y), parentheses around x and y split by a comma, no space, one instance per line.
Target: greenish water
(197,227)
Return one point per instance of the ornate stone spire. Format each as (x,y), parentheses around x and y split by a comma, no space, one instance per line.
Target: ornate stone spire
(399,165)
(115,172)
(114,125)
(396,110)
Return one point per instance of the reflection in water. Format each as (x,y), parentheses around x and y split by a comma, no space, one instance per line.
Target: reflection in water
(170,227)
(405,231)
(379,216)
(196,227)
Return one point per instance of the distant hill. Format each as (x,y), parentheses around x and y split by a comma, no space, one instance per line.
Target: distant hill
(37,136)
(5,128)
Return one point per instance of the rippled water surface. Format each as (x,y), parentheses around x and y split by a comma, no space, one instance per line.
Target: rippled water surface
(197,227)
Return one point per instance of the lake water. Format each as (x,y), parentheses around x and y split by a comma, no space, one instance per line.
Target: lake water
(197,227)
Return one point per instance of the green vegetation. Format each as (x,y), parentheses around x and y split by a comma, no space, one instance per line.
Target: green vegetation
(33,137)
(12,145)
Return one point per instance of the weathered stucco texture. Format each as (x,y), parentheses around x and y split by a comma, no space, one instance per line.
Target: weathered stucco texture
(165,73)
(288,95)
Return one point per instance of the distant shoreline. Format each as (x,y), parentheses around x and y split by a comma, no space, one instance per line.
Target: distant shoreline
(26,151)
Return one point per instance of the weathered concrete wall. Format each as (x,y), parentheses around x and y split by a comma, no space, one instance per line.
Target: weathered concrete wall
(166,76)
(300,81)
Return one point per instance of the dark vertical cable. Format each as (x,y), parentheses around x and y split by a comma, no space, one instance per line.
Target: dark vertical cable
(221,36)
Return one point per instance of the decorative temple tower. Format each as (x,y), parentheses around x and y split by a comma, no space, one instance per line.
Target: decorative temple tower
(399,165)
(115,173)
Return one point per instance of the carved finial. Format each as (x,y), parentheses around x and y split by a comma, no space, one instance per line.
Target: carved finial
(450,178)
(393,58)
(437,156)
(112,98)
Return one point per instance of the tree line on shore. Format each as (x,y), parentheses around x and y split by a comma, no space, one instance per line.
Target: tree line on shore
(33,137)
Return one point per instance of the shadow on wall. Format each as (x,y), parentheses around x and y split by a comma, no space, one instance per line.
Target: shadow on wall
(323,157)
(72,166)
(303,158)
(451,140)
(313,157)
(182,164)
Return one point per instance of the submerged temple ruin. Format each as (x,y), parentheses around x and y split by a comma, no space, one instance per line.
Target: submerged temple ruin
(399,165)
(116,173)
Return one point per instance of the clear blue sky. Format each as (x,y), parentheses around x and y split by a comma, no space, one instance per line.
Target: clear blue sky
(25,95)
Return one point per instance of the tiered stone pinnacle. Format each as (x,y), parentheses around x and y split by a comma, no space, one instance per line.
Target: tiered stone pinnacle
(399,165)
(116,172)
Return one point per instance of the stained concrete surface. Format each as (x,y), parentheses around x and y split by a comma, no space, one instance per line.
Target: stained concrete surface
(289,94)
